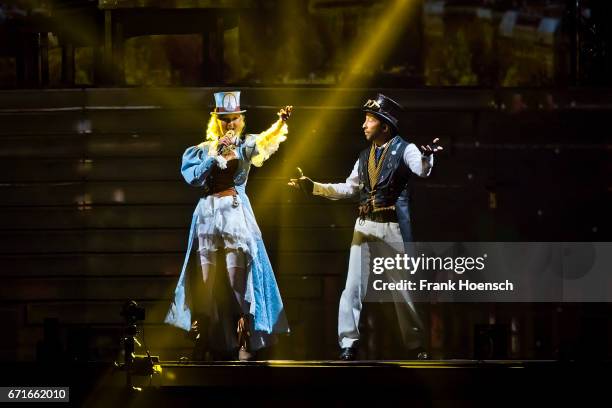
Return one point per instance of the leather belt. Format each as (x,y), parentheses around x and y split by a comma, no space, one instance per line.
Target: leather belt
(382,216)
(227,192)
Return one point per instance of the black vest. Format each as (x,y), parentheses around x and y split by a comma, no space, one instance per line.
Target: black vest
(392,187)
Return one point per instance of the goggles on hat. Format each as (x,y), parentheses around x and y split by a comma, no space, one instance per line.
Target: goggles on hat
(372,105)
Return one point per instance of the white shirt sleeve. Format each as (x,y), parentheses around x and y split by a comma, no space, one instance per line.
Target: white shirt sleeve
(337,191)
(419,164)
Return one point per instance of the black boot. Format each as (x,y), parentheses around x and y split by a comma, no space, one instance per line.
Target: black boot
(244,337)
(348,354)
(199,335)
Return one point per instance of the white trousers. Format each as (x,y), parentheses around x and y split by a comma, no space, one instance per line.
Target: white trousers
(357,280)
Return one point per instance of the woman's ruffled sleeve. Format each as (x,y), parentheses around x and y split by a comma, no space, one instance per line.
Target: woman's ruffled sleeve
(268,141)
(197,165)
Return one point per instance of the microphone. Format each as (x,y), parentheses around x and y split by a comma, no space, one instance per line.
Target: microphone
(231,135)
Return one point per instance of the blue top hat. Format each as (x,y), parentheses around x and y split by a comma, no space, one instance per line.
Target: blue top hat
(227,102)
(384,108)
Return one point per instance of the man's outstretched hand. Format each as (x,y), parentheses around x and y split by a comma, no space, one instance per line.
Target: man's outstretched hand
(434,148)
(301,182)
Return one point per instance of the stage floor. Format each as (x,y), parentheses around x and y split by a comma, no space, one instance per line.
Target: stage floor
(336,383)
(287,372)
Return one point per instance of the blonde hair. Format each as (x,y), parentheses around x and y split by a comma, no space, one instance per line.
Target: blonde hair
(213,129)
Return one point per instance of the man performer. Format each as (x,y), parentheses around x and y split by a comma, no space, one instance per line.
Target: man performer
(380,179)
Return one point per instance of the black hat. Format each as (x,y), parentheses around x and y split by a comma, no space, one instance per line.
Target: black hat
(384,108)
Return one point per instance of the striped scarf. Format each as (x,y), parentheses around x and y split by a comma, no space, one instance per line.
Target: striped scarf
(375,168)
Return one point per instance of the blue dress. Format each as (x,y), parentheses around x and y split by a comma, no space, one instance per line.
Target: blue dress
(262,292)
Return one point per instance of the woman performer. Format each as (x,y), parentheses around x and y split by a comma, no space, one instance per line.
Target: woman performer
(225,226)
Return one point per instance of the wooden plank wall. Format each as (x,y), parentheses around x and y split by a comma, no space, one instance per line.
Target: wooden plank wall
(94,210)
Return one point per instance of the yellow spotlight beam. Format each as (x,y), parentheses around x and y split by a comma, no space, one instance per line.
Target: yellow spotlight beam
(370,49)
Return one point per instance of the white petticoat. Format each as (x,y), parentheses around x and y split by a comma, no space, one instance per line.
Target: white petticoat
(222,225)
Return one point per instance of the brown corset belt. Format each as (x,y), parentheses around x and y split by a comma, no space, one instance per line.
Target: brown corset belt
(227,192)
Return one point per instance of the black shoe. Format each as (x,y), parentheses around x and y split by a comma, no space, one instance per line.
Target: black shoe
(419,353)
(423,355)
(348,354)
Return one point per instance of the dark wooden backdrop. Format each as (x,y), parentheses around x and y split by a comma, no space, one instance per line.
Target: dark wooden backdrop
(93,210)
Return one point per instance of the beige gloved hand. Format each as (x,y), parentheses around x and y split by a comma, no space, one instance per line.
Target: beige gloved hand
(301,182)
